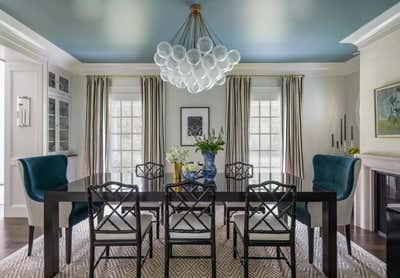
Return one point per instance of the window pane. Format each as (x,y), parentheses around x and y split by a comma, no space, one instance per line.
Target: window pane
(63,135)
(116,108)
(137,142)
(136,157)
(126,142)
(116,125)
(253,142)
(264,142)
(253,158)
(264,108)
(126,125)
(64,108)
(127,159)
(264,125)
(115,142)
(264,175)
(254,111)
(137,125)
(276,159)
(276,125)
(254,125)
(276,108)
(64,122)
(126,108)
(137,108)
(264,159)
(116,159)
(276,142)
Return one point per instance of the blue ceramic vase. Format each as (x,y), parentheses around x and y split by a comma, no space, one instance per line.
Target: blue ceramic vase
(189,175)
(209,169)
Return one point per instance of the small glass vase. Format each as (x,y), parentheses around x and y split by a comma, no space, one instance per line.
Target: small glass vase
(209,169)
(177,172)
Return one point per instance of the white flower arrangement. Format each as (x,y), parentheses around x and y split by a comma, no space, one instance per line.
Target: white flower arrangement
(177,154)
(191,167)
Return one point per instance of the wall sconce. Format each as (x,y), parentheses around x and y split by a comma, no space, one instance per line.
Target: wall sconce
(23,111)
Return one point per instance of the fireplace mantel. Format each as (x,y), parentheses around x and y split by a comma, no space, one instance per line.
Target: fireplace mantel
(364,206)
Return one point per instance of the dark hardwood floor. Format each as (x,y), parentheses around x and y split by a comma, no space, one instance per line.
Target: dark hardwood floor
(14,235)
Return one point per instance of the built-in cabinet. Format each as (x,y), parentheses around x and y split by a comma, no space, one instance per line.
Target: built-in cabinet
(59,110)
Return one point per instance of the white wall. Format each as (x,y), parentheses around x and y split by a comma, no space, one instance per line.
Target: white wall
(325,101)
(379,66)
(177,98)
(2,114)
(78,116)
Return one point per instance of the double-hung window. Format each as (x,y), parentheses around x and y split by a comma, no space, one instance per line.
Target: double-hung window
(265,138)
(126,150)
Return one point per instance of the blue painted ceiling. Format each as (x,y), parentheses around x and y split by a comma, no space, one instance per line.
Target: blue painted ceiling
(262,30)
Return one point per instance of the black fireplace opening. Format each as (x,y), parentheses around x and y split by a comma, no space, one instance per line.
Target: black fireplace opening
(387,191)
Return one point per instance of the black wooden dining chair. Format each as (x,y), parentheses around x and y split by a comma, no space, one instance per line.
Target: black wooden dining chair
(275,227)
(185,224)
(109,226)
(151,172)
(236,172)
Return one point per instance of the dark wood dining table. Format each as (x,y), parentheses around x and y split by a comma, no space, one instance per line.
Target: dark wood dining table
(227,190)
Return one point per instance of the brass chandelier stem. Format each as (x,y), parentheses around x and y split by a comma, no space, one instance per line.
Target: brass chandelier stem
(192,29)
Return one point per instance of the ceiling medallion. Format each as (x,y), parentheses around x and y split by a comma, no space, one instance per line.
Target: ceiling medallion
(195,58)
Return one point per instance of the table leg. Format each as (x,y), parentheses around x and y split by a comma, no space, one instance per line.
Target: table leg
(329,238)
(51,248)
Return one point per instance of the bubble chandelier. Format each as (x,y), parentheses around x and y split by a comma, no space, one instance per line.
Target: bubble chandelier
(195,58)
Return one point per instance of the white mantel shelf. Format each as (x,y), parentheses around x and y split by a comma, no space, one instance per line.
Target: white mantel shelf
(364,206)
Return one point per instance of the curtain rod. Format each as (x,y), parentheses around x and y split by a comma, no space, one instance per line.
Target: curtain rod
(250,75)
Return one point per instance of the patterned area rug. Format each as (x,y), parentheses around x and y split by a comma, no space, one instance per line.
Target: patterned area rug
(360,264)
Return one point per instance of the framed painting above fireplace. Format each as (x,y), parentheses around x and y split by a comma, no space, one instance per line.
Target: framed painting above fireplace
(387,111)
(195,121)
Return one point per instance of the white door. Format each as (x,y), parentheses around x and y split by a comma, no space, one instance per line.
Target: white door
(22,79)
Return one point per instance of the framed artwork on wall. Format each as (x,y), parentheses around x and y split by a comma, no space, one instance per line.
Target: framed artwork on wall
(195,121)
(387,111)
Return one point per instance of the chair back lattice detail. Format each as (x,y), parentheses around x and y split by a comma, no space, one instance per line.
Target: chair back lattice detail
(103,199)
(183,201)
(150,170)
(238,171)
(275,219)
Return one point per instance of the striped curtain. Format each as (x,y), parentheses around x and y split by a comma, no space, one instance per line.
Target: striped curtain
(292,91)
(97,125)
(237,119)
(153,105)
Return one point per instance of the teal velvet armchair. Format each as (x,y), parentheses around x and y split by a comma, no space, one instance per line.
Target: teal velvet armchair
(331,173)
(41,174)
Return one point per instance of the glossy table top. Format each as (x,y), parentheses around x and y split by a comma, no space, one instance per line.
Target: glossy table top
(158,185)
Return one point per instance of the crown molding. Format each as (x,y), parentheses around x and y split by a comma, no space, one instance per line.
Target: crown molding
(21,38)
(377,28)
(308,69)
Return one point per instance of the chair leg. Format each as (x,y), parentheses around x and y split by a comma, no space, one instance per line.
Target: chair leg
(151,242)
(225,217)
(293,259)
(246,260)
(68,247)
(228,212)
(278,252)
(91,261)
(213,259)
(234,242)
(139,260)
(107,251)
(348,238)
(162,213)
(158,224)
(166,258)
(310,244)
(30,239)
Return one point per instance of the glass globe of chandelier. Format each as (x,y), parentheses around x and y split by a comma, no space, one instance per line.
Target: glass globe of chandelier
(195,58)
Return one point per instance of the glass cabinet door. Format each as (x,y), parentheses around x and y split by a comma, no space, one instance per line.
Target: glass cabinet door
(64,125)
(52,125)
